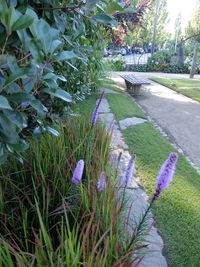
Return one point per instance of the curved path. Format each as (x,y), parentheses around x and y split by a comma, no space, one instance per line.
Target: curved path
(176,114)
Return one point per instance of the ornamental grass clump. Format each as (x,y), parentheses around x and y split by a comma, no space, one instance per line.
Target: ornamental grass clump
(55,211)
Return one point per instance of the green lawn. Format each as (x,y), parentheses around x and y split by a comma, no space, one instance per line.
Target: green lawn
(123,106)
(193,93)
(177,211)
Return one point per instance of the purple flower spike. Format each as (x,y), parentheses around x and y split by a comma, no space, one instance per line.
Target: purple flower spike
(78,172)
(128,176)
(96,111)
(166,174)
(101,182)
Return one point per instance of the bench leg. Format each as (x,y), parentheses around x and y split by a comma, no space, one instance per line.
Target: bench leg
(128,85)
(135,90)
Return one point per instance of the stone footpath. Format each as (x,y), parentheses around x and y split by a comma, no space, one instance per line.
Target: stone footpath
(137,199)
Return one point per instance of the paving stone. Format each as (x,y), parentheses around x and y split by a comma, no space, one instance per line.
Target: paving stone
(130,122)
(104,106)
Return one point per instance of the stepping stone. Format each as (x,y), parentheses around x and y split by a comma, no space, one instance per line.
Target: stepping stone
(130,122)
(104,106)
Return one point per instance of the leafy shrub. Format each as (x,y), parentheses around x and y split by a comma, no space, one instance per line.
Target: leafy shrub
(139,68)
(116,63)
(159,60)
(48,54)
(175,69)
(167,68)
(188,63)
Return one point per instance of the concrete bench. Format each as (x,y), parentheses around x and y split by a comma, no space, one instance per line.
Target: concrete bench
(134,84)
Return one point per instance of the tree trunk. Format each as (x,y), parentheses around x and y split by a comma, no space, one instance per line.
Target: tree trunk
(181,55)
(194,61)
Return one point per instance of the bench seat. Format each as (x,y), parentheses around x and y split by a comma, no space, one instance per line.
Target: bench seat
(133,84)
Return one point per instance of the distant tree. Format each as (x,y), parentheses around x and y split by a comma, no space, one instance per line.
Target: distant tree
(193,28)
(177,30)
(193,35)
(143,35)
(127,19)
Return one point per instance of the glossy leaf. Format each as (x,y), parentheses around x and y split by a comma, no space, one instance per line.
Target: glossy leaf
(113,7)
(52,131)
(59,93)
(36,104)
(44,34)
(64,55)
(15,76)
(21,97)
(8,133)
(4,104)
(105,19)
(19,147)
(16,117)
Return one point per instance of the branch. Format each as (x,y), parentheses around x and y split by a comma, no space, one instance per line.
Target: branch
(192,36)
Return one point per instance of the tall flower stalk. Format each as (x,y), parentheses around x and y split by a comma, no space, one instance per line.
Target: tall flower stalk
(126,180)
(165,177)
(166,174)
(96,111)
(78,172)
(101,182)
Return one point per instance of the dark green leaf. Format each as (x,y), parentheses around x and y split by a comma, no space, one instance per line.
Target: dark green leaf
(25,39)
(113,7)
(68,39)
(36,104)
(21,97)
(21,73)
(12,64)
(8,131)
(14,88)
(23,22)
(4,104)
(44,34)
(64,55)
(105,19)
(35,49)
(16,117)
(55,45)
(8,18)
(19,147)
(59,93)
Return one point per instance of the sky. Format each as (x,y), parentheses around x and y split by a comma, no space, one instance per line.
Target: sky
(176,6)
